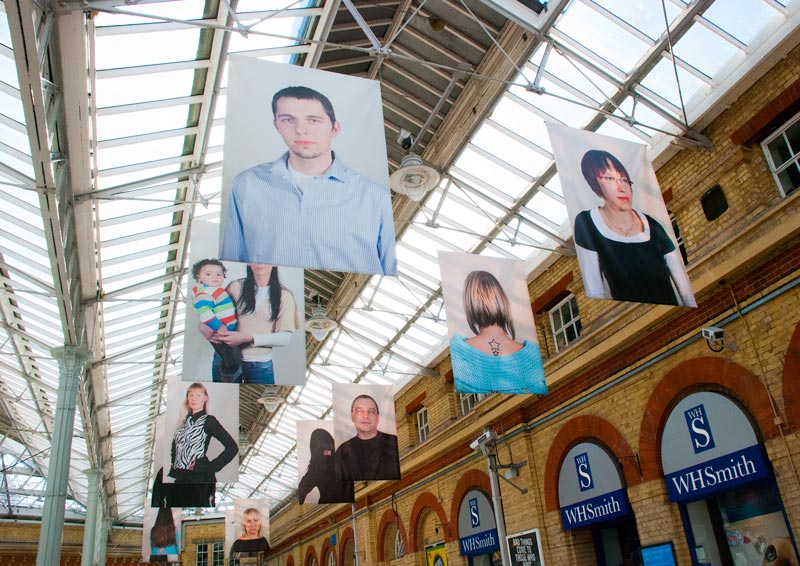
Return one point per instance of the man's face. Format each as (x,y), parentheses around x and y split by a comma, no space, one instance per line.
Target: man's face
(365,418)
(304,126)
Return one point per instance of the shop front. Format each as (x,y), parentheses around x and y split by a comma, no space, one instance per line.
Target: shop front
(592,495)
(477,529)
(717,471)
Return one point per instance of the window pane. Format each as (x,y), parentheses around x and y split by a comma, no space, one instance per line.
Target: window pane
(779,151)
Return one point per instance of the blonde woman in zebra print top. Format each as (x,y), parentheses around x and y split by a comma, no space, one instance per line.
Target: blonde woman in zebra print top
(192,438)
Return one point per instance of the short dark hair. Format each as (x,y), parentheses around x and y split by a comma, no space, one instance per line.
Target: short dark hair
(365,396)
(303,93)
(594,162)
(203,262)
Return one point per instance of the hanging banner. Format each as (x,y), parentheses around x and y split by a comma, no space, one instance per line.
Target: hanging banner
(201,434)
(247,529)
(316,463)
(243,321)
(623,234)
(161,530)
(365,432)
(305,174)
(493,343)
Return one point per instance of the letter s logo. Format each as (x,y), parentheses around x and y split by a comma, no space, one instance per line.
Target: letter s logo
(584,479)
(698,428)
(474,516)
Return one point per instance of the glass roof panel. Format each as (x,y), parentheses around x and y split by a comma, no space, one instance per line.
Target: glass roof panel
(705,50)
(743,19)
(591,28)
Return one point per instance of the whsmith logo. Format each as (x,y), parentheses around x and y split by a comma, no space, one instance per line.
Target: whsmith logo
(474,515)
(699,429)
(605,507)
(717,474)
(585,480)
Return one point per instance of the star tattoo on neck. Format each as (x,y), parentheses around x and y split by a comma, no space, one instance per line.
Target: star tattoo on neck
(495,346)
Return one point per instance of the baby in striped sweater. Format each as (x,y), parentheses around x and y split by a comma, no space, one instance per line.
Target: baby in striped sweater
(217,311)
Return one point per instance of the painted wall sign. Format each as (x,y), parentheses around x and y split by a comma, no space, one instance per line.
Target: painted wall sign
(709,445)
(590,488)
(477,528)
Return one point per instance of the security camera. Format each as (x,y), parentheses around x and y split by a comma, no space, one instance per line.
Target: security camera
(487,436)
(405,139)
(714,333)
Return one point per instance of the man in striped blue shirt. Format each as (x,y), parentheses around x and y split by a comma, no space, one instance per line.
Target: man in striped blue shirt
(309,209)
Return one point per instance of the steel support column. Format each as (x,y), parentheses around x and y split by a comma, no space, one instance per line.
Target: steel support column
(92,508)
(71,365)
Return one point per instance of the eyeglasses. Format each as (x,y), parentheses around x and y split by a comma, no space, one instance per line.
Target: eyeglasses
(610,179)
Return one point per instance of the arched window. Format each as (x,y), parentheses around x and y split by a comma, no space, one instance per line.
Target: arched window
(331,559)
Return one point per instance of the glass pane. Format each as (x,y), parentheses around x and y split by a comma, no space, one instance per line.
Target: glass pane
(779,151)
(790,178)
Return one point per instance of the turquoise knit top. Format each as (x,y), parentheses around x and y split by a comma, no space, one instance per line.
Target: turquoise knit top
(477,372)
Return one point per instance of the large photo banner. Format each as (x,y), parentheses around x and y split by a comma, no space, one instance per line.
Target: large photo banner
(316,465)
(161,530)
(365,432)
(247,530)
(305,175)
(244,322)
(200,438)
(626,247)
(493,344)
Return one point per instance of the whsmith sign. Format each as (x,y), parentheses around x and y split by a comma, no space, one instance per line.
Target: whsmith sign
(709,446)
(476,525)
(590,488)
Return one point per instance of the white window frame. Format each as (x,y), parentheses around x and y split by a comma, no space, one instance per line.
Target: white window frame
(574,321)
(331,559)
(201,558)
(423,428)
(217,554)
(794,161)
(399,545)
(469,400)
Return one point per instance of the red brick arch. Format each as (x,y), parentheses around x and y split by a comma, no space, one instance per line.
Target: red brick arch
(472,479)
(347,535)
(290,560)
(389,518)
(323,553)
(791,383)
(425,501)
(577,429)
(696,375)
(310,553)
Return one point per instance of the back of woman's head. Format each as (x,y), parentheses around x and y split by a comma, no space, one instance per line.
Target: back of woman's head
(595,163)
(486,304)
(321,444)
(162,534)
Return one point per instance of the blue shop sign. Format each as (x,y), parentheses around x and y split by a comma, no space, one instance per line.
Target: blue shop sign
(480,543)
(722,473)
(602,508)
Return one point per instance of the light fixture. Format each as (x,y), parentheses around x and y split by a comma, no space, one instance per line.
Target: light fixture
(414,178)
(270,398)
(319,325)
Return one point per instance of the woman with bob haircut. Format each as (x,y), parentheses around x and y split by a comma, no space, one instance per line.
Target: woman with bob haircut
(625,254)
(251,541)
(196,428)
(267,316)
(492,360)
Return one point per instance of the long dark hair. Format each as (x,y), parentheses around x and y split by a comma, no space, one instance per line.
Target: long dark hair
(163,532)
(246,303)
